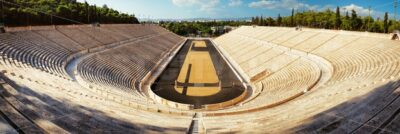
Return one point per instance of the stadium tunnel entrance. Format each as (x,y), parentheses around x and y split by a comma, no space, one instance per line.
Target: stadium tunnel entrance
(198,75)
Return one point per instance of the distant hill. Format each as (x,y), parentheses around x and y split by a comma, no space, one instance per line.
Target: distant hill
(58,12)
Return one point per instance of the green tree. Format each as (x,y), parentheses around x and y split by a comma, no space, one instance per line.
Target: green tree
(355,22)
(39,13)
(376,26)
(292,18)
(261,21)
(338,21)
(313,21)
(385,23)
(327,19)
(270,21)
(279,20)
(299,18)
(63,11)
(367,23)
(257,20)
(86,12)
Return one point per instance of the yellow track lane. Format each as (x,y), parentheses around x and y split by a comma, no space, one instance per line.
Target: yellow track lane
(201,72)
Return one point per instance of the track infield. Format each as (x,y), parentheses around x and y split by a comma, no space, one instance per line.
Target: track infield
(198,76)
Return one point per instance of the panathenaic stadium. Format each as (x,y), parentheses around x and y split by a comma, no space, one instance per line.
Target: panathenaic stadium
(142,78)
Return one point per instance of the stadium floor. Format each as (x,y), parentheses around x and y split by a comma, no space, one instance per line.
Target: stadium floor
(198,76)
(194,74)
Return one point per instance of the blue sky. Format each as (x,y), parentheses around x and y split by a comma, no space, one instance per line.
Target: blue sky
(181,9)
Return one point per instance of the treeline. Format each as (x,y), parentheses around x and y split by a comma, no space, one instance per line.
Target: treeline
(331,20)
(45,12)
(186,28)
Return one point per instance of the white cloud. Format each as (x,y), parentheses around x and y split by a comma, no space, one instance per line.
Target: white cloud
(325,7)
(363,11)
(209,5)
(203,5)
(264,4)
(359,9)
(184,2)
(234,3)
(281,4)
